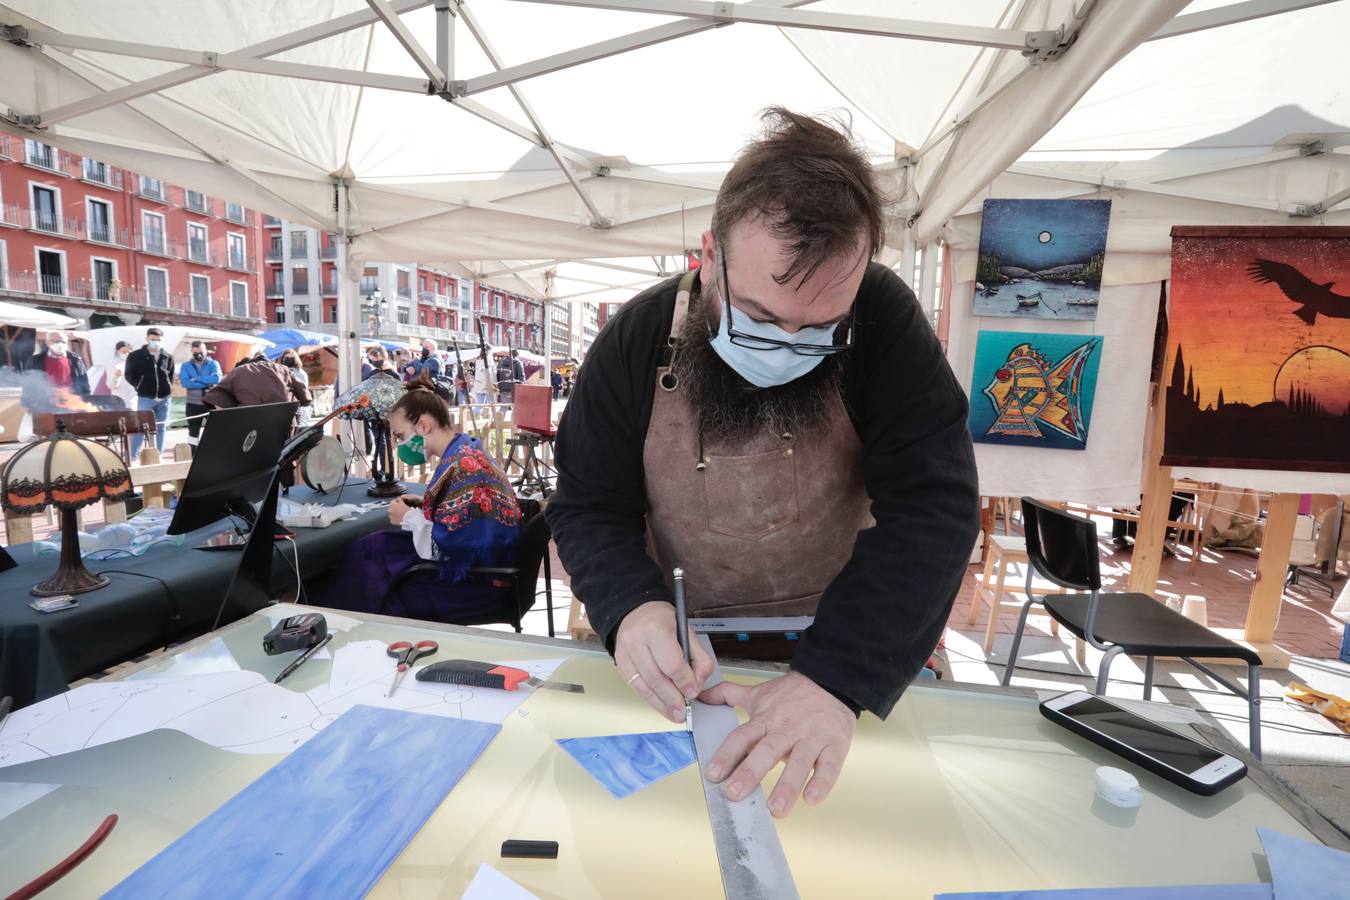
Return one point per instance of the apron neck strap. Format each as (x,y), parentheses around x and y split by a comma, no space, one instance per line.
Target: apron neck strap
(681,306)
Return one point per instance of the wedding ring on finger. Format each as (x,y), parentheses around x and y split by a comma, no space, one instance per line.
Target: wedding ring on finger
(635,677)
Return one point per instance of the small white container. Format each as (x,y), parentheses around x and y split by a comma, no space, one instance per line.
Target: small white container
(1118,787)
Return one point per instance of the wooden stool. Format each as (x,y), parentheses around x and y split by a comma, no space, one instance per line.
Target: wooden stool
(578,626)
(1003,551)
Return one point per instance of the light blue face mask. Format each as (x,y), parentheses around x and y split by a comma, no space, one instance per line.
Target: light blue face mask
(768,368)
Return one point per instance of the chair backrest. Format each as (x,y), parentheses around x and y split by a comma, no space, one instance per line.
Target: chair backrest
(1061,546)
(530,550)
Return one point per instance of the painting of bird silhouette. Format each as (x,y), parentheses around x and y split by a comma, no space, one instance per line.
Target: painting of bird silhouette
(1313,298)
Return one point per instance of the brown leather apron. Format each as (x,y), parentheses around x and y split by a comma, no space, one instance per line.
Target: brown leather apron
(766,522)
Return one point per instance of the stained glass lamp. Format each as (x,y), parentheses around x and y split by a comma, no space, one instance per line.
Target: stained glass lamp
(373,400)
(66,472)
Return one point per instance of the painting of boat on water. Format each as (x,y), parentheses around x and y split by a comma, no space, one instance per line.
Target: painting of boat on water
(1041,259)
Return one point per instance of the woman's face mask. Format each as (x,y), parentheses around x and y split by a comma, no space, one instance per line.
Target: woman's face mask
(413,451)
(57,348)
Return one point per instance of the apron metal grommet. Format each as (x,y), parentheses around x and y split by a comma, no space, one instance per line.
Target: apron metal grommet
(669,382)
(700,466)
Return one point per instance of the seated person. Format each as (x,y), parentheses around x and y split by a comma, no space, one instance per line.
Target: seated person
(468,517)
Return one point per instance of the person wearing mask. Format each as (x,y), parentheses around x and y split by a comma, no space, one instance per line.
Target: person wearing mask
(198,375)
(468,518)
(291,360)
(256,382)
(556,381)
(117,381)
(427,362)
(781,423)
(62,368)
(150,371)
(510,372)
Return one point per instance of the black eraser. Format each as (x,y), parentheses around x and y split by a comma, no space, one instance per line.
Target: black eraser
(529,849)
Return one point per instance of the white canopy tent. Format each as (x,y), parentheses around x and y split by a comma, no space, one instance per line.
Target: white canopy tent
(449,133)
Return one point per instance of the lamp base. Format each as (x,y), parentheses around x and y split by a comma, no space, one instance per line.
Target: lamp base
(386,489)
(69,581)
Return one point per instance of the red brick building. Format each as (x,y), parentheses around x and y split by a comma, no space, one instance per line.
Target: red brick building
(510,319)
(111,246)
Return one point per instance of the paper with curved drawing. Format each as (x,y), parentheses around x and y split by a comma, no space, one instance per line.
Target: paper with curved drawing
(243,711)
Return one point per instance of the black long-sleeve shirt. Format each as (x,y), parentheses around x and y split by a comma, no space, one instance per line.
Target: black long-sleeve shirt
(883,614)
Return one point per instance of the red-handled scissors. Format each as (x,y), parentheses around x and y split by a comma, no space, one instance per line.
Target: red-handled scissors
(407,653)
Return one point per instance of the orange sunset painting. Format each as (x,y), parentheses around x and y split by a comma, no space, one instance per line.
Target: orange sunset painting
(1258,370)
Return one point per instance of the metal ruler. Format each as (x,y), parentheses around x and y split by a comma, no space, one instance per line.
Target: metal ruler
(753,864)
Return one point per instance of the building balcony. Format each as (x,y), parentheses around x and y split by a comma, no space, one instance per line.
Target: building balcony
(198,252)
(11,215)
(330,289)
(196,201)
(153,189)
(270,221)
(328,250)
(274,255)
(100,233)
(102,174)
(241,262)
(52,223)
(49,159)
(157,245)
(6,147)
(238,214)
(276,290)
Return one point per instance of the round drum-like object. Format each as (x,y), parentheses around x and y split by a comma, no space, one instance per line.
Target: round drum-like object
(325,466)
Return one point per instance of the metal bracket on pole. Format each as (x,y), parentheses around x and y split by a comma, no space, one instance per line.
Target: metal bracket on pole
(17,35)
(1312,148)
(1048,45)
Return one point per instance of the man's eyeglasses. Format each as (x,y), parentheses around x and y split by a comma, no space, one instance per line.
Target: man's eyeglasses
(755,342)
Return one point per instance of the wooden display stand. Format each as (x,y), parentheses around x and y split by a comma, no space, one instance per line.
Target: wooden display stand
(1263,610)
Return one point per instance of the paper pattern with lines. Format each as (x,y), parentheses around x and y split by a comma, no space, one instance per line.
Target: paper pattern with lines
(242,711)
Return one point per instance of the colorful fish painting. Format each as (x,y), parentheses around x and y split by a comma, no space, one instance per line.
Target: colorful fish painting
(1034,390)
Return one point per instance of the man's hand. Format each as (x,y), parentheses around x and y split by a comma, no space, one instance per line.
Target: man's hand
(793,719)
(649,657)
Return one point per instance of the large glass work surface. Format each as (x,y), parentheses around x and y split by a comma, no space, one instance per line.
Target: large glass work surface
(958,790)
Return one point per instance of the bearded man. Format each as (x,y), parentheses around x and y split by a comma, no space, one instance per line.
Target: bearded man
(781,424)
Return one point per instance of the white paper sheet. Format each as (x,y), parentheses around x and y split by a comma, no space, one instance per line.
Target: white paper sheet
(15,796)
(242,711)
(489,884)
(204,659)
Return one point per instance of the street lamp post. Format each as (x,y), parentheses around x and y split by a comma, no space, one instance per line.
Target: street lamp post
(380,304)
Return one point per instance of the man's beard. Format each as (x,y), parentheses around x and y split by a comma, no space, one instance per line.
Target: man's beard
(729,407)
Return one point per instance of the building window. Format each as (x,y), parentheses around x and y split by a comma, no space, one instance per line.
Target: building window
(422,280)
(152,233)
(197,241)
(239,299)
(104,272)
(36,153)
(235,247)
(404,316)
(274,249)
(152,188)
(235,213)
(301,314)
(51,272)
(422,317)
(46,209)
(300,280)
(280,314)
(100,221)
(299,245)
(196,201)
(4,265)
(404,283)
(97,172)
(370,281)
(330,313)
(201,294)
(157,287)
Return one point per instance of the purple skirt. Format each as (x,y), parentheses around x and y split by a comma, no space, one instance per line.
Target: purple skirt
(361,581)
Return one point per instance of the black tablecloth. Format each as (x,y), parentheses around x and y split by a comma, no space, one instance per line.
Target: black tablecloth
(40,654)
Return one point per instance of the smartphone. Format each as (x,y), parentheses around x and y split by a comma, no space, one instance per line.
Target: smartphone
(1162,751)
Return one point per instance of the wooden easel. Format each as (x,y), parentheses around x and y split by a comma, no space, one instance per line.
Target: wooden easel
(1263,610)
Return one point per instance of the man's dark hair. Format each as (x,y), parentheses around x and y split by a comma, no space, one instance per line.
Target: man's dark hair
(813,186)
(155,331)
(196,344)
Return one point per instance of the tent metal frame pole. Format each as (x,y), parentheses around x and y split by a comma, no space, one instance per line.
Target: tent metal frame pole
(349,292)
(166,80)
(928,279)
(1231,15)
(601,50)
(409,41)
(480,35)
(614,287)
(1148,187)
(1001,38)
(228,61)
(445,38)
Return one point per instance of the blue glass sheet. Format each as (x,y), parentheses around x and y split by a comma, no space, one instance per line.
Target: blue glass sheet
(327,820)
(625,763)
(1301,869)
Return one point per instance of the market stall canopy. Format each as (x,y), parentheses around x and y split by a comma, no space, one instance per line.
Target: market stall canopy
(473,155)
(16,315)
(296,339)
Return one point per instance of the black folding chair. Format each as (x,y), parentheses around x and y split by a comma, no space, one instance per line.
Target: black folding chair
(531,555)
(1063,548)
